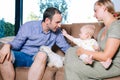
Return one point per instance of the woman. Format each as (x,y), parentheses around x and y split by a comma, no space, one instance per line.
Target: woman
(109,42)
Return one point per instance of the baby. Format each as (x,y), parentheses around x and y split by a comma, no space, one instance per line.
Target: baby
(87,42)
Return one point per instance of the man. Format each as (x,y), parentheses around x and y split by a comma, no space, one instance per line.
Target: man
(25,47)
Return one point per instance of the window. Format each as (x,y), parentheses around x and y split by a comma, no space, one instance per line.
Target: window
(30,10)
(7,10)
(7,18)
(78,10)
(81,11)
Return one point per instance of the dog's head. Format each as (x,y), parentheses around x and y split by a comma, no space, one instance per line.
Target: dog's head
(46,49)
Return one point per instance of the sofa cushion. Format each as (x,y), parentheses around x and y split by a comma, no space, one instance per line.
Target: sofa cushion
(114,78)
(21,73)
(60,74)
(6,39)
(50,73)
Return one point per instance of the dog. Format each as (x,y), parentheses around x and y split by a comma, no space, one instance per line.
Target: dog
(54,60)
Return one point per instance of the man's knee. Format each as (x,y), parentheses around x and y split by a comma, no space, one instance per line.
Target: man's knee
(41,56)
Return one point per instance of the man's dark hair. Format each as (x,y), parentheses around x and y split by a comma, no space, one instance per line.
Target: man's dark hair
(49,12)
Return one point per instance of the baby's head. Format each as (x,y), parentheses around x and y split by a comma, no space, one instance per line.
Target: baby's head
(87,31)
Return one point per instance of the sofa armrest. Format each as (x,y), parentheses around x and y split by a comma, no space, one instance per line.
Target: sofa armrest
(1,45)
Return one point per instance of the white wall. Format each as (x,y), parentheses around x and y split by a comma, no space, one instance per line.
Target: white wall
(116,5)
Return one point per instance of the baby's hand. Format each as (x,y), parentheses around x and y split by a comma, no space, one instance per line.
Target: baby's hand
(87,59)
(97,48)
(64,32)
(107,63)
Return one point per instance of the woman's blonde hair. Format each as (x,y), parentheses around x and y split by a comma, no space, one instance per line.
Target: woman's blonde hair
(108,3)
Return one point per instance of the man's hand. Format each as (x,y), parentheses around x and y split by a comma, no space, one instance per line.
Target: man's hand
(5,53)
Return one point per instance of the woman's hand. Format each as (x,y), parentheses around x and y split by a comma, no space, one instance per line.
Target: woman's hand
(5,53)
(80,51)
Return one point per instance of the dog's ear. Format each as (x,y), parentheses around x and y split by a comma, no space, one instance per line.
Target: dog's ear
(41,48)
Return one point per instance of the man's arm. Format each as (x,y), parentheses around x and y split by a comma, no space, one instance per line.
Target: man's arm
(21,36)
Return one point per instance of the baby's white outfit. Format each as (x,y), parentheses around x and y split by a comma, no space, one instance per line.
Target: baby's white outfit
(89,44)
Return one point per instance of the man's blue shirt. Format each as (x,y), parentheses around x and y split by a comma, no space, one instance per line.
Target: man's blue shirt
(31,36)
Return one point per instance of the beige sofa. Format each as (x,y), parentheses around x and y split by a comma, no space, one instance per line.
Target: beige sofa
(54,73)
